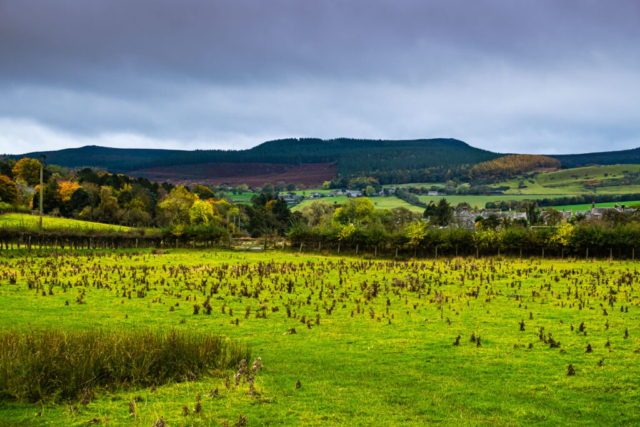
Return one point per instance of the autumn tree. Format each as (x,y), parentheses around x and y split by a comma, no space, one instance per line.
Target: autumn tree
(175,207)
(8,190)
(27,170)
(202,191)
(510,165)
(107,210)
(317,212)
(67,189)
(200,213)
(358,210)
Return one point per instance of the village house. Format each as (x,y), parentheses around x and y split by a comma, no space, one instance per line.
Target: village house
(289,199)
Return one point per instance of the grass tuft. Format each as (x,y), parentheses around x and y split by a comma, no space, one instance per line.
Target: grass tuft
(57,365)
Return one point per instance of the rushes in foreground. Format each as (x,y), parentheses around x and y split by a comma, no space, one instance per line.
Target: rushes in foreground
(61,365)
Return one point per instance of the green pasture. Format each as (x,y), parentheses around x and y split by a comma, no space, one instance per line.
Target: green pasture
(416,184)
(244,197)
(31,221)
(378,203)
(374,341)
(585,207)
(599,173)
(307,192)
(569,181)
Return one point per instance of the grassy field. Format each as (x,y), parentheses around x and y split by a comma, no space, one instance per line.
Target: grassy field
(239,198)
(378,202)
(306,192)
(374,341)
(416,184)
(26,220)
(569,181)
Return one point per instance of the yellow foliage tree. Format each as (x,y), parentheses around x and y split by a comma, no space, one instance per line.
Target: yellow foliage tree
(67,189)
(201,212)
(27,170)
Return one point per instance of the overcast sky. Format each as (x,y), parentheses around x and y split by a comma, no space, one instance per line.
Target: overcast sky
(532,76)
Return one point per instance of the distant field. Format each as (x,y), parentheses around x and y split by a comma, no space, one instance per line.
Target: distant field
(570,181)
(245,197)
(26,220)
(378,202)
(416,184)
(306,192)
(585,207)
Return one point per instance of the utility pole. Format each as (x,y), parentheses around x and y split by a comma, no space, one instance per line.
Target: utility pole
(42,160)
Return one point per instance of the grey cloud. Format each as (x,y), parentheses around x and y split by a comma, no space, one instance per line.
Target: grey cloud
(526,76)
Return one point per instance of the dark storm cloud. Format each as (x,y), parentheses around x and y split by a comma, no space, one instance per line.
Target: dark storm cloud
(528,76)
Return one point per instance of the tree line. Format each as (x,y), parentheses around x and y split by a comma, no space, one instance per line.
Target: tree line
(358,226)
(584,199)
(118,199)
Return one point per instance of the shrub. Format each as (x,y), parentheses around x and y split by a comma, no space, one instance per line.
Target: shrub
(58,365)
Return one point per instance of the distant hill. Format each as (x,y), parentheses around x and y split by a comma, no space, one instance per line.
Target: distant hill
(389,161)
(114,159)
(623,157)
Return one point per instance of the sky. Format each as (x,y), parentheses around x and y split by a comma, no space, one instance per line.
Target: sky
(525,76)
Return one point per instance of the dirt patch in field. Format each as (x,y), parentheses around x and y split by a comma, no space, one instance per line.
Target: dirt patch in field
(253,174)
